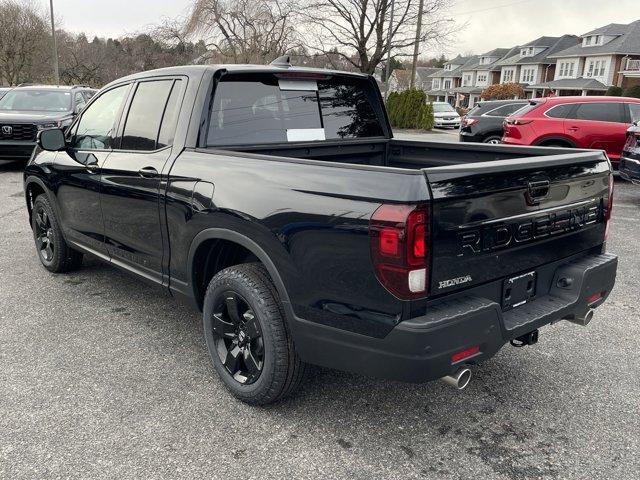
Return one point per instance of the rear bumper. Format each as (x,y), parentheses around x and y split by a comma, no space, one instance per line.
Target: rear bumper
(470,137)
(16,150)
(420,349)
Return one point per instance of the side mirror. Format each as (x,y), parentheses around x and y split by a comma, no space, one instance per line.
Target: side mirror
(51,139)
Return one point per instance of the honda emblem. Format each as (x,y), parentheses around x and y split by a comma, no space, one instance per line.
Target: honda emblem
(7,129)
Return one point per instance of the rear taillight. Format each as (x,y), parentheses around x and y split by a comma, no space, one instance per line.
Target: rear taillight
(467,122)
(608,208)
(518,121)
(399,236)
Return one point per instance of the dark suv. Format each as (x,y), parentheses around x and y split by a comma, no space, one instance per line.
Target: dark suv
(26,110)
(483,123)
(630,160)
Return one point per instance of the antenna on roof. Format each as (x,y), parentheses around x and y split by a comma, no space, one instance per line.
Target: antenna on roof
(283,61)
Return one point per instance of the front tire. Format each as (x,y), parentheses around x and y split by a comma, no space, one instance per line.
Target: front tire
(53,251)
(247,336)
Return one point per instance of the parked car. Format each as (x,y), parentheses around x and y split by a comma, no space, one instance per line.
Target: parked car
(483,123)
(584,122)
(3,91)
(25,110)
(445,115)
(276,201)
(630,160)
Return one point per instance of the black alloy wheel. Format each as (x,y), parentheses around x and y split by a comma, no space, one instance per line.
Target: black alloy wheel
(53,251)
(45,239)
(247,335)
(238,337)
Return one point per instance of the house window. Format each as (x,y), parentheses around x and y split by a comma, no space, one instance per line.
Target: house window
(447,84)
(527,75)
(588,42)
(436,83)
(507,76)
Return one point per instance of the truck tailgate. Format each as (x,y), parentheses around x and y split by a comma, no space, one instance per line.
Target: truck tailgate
(503,218)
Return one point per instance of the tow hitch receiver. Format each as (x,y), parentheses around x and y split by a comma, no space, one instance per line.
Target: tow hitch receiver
(530,338)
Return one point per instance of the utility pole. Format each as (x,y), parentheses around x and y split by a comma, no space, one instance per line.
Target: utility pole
(55,46)
(416,46)
(387,69)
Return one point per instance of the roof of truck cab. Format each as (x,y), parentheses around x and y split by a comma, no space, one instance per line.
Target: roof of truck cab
(233,68)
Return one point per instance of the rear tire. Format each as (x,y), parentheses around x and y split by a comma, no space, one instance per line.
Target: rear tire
(53,251)
(493,139)
(247,336)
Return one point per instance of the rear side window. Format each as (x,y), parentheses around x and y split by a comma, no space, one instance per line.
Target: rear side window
(634,109)
(254,109)
(142,127)
(599,112)
(505,110)
(560,111)
(526,109)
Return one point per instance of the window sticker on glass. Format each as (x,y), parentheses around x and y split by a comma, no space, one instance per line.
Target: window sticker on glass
(299,85)
(305,134)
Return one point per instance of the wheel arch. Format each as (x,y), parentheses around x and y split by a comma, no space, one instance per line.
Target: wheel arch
(211,236)
(34,186)
(555,138)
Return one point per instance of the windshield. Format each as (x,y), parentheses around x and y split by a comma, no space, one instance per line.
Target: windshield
(442,108)
(36,101)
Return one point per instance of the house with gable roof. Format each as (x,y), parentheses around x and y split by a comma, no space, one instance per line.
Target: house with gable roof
(533,63)
(606,56)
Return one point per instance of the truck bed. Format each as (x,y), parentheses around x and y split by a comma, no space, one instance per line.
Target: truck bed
(408,154)
(480,195)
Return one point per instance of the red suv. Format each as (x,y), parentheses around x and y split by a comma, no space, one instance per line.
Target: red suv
(582,122)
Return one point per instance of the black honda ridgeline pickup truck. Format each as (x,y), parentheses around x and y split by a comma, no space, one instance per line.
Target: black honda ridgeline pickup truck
(275,200)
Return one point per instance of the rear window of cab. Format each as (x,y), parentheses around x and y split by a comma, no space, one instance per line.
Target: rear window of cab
(265,108)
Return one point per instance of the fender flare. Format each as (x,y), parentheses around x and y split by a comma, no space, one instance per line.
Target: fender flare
(246,242)
(31,179)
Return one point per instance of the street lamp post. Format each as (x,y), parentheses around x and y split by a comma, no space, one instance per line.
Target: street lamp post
(388,67)
(55,46)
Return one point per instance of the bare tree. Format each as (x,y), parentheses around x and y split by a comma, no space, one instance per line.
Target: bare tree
(244,31)
(23,39)
(358,29)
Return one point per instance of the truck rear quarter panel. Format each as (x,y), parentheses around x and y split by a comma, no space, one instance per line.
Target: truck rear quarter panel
(311,218)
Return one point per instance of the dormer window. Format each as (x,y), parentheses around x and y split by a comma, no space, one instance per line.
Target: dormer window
(527,52)
(593,40)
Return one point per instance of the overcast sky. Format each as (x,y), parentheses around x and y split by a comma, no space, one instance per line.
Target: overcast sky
(489,23)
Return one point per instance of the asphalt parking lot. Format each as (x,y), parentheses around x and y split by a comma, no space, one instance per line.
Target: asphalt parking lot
(103,376)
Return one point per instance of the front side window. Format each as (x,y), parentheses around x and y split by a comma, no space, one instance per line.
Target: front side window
(254,109)
(599,112)
(36,101)
(145,115)
(95,130)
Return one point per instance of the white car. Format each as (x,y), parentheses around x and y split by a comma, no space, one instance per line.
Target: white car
(445,115)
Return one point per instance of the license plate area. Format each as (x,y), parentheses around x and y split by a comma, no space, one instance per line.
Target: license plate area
(518,290)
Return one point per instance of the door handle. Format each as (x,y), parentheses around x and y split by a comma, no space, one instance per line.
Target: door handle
(148,172)
(573,129)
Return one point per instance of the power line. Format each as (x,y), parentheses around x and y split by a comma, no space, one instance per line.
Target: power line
(495,7)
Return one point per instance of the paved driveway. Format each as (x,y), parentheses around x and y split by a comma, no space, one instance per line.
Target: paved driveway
(103,376)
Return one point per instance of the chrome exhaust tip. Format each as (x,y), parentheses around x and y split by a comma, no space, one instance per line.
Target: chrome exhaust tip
(458,380)
(582,320)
